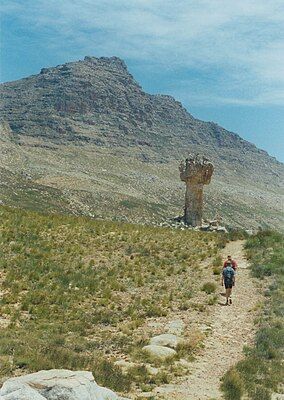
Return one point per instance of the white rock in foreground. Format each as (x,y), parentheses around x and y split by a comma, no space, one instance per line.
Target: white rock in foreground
(55,384)
(159,352)
(166,339)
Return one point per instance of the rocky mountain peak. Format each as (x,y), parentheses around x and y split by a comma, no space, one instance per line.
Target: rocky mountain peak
(96,105)
(90,66)
(107,61)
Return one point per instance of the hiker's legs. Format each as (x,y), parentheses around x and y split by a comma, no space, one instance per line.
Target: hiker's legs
(229,295)
(228,292)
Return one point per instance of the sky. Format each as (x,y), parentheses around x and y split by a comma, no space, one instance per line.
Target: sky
(223,59)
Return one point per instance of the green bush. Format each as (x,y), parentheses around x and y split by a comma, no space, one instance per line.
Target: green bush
(129,203)
(232,385)
(217,270)
(237,234)
(109,375)
(217,262)
(209,287)
(270,341)
(261,393)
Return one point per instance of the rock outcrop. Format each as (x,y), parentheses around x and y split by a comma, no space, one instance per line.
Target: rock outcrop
(55,384)
(165,339)
(196,172)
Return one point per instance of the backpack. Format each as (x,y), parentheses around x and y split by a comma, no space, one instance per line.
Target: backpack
(228,273)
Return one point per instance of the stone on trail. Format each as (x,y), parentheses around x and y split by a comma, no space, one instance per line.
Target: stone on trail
(55,384)
(176,327)
(159,352)
(166,339)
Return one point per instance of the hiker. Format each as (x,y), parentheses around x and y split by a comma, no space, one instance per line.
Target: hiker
(228,279)
(230,261)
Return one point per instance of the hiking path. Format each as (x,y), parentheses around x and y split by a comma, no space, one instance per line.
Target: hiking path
(233,328)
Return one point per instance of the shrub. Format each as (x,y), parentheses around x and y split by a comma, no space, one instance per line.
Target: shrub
(188,346)
(129,203)
(217,270)
(138,374)
(261,393)
(209,287)
(110,375)
(270,341)
(232,385)
(217,262)
(212,300)
(237,234)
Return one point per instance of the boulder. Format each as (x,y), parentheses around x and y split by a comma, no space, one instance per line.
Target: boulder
(159,352)
(221,229)
(205,228)
(152,370)
(176,327)
(55,384)
(166,339)
(277,396)
(19,391)
(125,365)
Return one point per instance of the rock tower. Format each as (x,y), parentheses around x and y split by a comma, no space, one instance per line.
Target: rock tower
(195,172)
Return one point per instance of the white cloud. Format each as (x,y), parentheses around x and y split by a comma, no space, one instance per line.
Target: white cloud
(241,39)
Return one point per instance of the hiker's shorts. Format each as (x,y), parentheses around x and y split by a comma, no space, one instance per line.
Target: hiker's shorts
(228,285)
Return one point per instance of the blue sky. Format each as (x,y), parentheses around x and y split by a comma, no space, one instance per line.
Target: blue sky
(223,59)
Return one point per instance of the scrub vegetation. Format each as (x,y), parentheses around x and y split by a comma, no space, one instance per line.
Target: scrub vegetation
(78,293)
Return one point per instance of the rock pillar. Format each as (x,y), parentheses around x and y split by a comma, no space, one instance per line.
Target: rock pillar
(195,172)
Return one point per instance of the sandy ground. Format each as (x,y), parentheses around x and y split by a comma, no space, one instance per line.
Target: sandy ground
(232,328)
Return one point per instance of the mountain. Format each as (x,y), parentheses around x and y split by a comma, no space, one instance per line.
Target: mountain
(88,134)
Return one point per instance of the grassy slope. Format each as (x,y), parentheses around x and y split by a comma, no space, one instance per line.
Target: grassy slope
(261,372)
(77,293)
(16,190)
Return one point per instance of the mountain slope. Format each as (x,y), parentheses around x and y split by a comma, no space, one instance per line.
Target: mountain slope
(89,126)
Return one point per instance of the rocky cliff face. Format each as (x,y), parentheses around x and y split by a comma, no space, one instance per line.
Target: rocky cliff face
(88,130)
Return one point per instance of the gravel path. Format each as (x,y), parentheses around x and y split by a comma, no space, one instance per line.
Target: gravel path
(233,327)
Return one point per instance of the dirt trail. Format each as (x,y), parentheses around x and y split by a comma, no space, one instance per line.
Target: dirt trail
(232,328)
